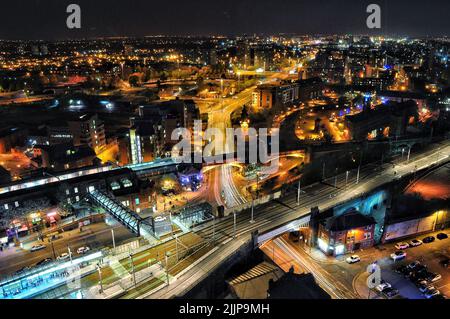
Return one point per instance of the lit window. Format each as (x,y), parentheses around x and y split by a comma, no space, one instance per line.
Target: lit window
(6,206)
(137,201)
(16,204)
(77,198)
(67,192)
(75,190)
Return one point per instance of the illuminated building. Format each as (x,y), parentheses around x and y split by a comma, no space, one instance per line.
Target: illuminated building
(346,233)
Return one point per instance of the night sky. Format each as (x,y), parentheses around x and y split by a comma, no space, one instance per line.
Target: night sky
(46,19)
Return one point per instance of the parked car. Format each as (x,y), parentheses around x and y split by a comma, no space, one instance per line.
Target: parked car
(415,243)
(22,270)
(63,256)
(37,247)
(398,255)
(424,286)
(442,236)
(401,246)
(433,277)
(439,296)
(44,262)
(353,259)
(83,250)
(390,292)
(445,262)
(414,265)
(402,270)
(429,293)
(428,240)
(383,286)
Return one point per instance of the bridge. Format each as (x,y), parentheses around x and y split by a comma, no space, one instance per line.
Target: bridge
(135,223)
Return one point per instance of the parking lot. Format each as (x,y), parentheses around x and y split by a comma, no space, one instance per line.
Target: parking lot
(428,254)
(354,276)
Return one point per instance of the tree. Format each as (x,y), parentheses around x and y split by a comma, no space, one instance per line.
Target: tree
(133,80)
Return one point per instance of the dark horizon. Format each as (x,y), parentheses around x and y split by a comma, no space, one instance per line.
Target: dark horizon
(46,19)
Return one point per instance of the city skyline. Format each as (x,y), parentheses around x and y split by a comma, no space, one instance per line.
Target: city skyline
(104,19)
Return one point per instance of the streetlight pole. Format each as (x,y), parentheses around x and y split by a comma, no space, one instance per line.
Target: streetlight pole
(323,171)
(234,224)
(70,253)
(132,269)
(357,174)
(113,238)
(99,269)
(346,178)
(176,245)
(409,155)
(53,250)
(167,268)
(214,230)
(252,220)
(299,192)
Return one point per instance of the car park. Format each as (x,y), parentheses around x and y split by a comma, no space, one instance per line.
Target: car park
(353,259)
(37,248)
(415,243)
(403,270)
(428,240)
(441,236)
(401,246)
(398,255)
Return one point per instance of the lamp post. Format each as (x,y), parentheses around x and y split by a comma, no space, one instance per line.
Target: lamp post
(299,192)
(252,220)
(113,238)
(234,224)
(99,269)
(132,268)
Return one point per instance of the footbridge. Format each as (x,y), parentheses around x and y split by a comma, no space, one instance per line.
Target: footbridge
(128,218)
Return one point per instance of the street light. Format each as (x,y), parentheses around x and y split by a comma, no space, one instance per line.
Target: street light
(99,269)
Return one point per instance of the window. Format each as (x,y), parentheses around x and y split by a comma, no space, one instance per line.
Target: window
(6,206)
(67,192)
(16,204)
(77,198)
(75,190)
(137,201)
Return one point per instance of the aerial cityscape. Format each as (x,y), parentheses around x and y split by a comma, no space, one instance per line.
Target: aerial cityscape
(255,165)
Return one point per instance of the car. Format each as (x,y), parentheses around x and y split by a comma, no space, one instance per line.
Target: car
(438,296)
(22,270)
(415,243)
(402,270)
(441,236)
(398,255)
(445,262)
(401,246)
(353,259)
(37,248)
(382,286)
(63,256)
(433,277)
(83,250)
(431,292)
(428,240)
(390,292)
(414,265)
(423,285)
(44,262)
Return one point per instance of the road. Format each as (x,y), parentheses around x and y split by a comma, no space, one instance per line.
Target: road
(283,211)
(96,236)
